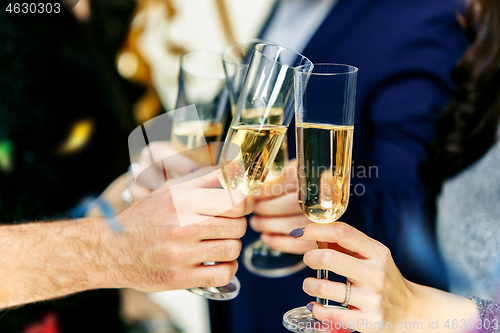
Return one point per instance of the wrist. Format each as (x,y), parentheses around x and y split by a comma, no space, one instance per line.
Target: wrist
(116,255)
(417,308)
(440,307)
(104,244)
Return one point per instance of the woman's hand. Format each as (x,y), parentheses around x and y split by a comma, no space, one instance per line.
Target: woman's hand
(379,294)
(277,212)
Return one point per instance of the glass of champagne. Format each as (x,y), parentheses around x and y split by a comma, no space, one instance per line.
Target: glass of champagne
(202,82)
(324,128)
(258,257)
(263,114)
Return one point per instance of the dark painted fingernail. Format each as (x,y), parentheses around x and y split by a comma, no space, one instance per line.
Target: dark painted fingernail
(310,307)
(297,232)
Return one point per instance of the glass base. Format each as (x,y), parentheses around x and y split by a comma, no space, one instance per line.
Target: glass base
(264,261)
(224,293)
(301,320)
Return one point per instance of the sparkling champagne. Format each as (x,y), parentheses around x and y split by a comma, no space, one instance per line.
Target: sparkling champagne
(192,134)
(274,116)
(324,162)
(246,168)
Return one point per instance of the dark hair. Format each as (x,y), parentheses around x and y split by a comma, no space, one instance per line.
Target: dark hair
(468,126)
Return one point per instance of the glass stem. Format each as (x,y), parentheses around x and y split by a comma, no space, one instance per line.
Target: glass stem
(322,274)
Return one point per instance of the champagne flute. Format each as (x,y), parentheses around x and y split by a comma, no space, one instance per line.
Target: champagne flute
(258,257)
(324,129)
(202,82)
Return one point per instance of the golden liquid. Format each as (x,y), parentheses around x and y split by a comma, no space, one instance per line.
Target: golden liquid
(192,134)
(246,169)
(324,166)
(274,117)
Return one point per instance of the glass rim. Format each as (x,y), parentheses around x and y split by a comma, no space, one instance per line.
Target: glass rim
(302,69)
(309,62)
(243,42)
(182,67)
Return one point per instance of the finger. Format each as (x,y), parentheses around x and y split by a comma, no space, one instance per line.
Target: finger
(334,291)
(346,236)
(138,193)
(220,228)
(285,183)
(211,202)
(209,276)
(288,244)
(218,250)
(161,158)
(285,205)
(278,225)
(202,178)
(174,158)
(342,264)
(338,319)
(208,229)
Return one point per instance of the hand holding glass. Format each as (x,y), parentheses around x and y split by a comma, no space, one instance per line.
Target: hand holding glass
(325,102)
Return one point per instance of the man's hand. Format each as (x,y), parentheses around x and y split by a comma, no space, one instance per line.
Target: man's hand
(277,212)
(157,253)
(40,261)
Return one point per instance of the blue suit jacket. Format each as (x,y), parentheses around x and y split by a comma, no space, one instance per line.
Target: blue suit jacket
(404,50)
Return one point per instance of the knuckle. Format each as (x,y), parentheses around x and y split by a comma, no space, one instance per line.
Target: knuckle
(215,227)
(327,258)
(386,254)
(234,249)
(256,223)
(221,251)
(323,288)
(178,233)
(227,277)
(224,277)
(209,281)
(239,199)
(342,230)
(174,253)
(240,227)
(222,227)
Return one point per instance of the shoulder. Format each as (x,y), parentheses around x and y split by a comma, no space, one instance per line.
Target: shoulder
(421,35)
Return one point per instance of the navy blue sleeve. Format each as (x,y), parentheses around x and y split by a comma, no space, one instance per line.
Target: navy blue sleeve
(388,201)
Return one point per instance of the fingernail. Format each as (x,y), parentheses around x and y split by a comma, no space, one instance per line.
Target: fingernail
(193,169)
(297,232)
(310,307)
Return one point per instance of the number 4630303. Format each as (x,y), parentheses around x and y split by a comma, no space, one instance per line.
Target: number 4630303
(32,8)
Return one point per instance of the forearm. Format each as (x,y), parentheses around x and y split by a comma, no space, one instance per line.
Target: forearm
(40,261)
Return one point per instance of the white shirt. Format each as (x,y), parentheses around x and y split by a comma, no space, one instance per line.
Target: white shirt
(296,21)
